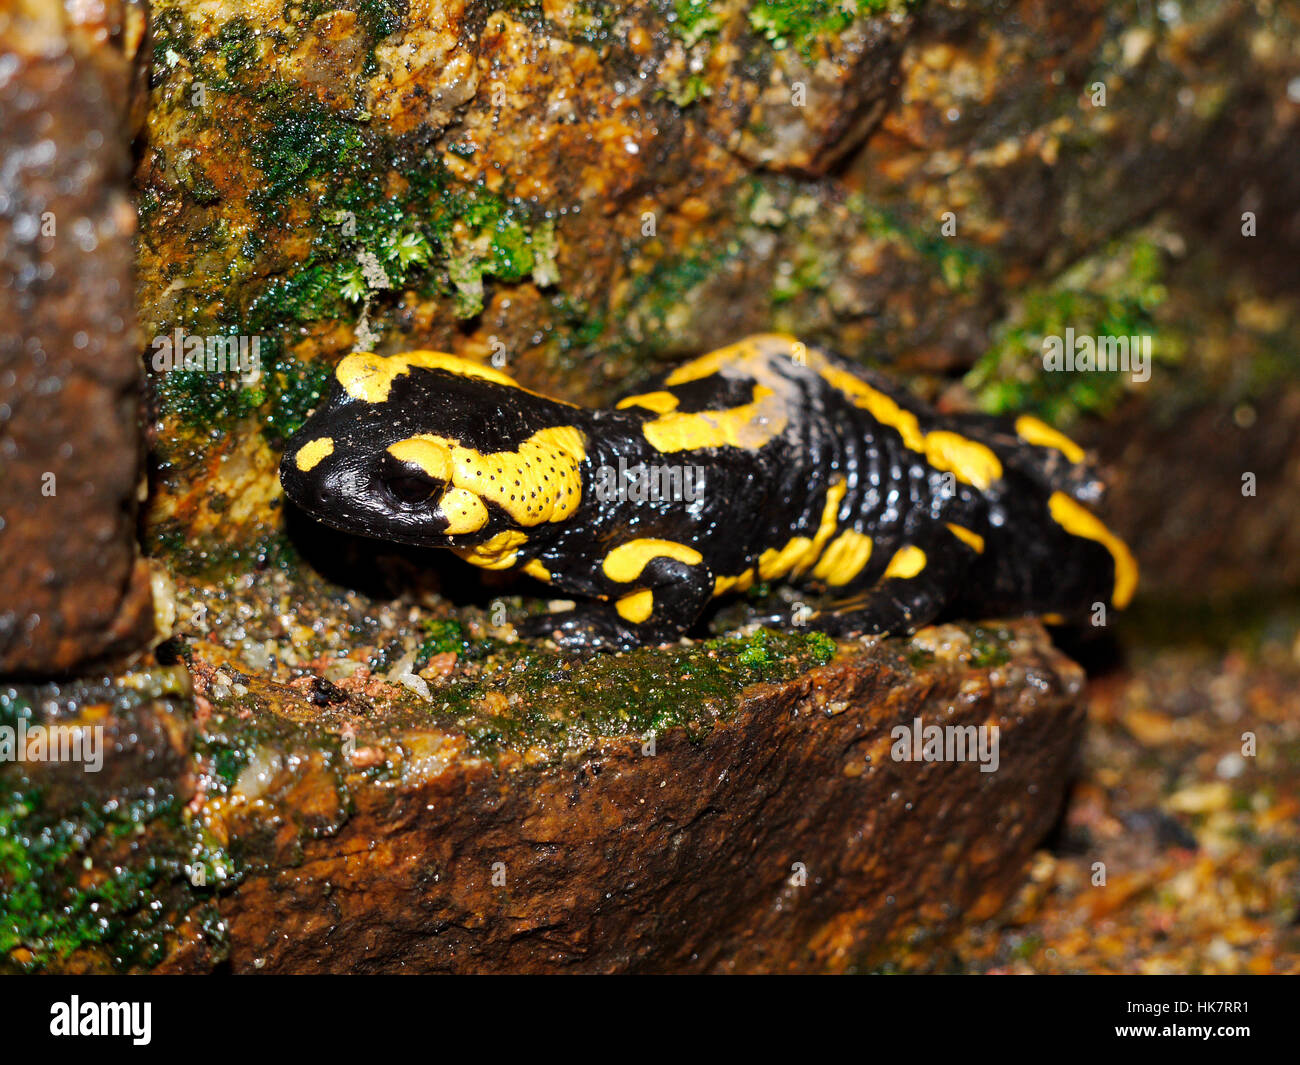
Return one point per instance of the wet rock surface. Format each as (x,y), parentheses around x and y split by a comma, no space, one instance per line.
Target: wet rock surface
(588,191)
(311,777)
(1180,850)
(315,826)
(74,588)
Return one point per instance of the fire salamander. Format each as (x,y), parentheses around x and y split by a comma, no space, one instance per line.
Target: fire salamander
(813,471)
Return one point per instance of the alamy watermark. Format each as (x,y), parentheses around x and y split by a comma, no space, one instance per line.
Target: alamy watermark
(919,742)
(210,354)
(1112,354)
(53,743)
(77,1018)
(649,483)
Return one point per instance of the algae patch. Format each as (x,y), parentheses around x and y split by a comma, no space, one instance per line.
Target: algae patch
(528,699)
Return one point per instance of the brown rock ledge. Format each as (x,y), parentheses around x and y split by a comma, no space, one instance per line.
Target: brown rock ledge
(74,588)
(615,861)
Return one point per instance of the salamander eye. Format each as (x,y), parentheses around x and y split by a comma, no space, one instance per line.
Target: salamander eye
(412,487)
(409,485)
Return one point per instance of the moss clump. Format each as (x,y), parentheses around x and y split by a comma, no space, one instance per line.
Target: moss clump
(382,217)
(104,876)
(696,19)
(799,23)
(960,265)
(525,699)
(382,18)
(1113,294)
(447,636)
(216,559)
(989,647)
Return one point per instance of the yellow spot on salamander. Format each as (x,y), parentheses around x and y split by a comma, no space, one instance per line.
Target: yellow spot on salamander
(626,561)
(534,568)
(464,511)
(880,406)
(749,426)
(312,452)
(539,482)
(773,564)
(659,402)
(799,553)
(636,607)
(907,562)
(973,539)
(844,559)
(500,552)
(826,528)
(707,365)
(430,454)
(1040,434)
(369,377)
(723,585)
(1078,521)
(971,462)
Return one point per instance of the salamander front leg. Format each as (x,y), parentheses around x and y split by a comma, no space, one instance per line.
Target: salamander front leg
(916,588)
(591,626)
(658,607)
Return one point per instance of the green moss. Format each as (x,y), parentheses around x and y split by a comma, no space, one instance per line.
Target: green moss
(1113,294)
(594,21)
(382,217)
(237,43)
(799,23)
(382,18)
(696,19)
(958,264)
(523,698)
(989,647)
(447,636)
(214,559)
(104,875)
(299,140)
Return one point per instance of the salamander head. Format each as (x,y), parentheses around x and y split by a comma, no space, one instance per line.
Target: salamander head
(430,449)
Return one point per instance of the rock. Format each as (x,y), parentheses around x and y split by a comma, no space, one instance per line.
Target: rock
(70,373)
(590,191)
(1216,495)
(772,832)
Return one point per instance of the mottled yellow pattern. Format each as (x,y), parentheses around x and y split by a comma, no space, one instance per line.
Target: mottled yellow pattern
(637,606)
(968,460)
(429,453)
(464,511)
(500,552)
(540,482)
(369,377)
(749,426)
(659,402)
(534,568)
(798,555)
(844,559)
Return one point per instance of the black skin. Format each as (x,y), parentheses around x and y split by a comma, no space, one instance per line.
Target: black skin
(753,498)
